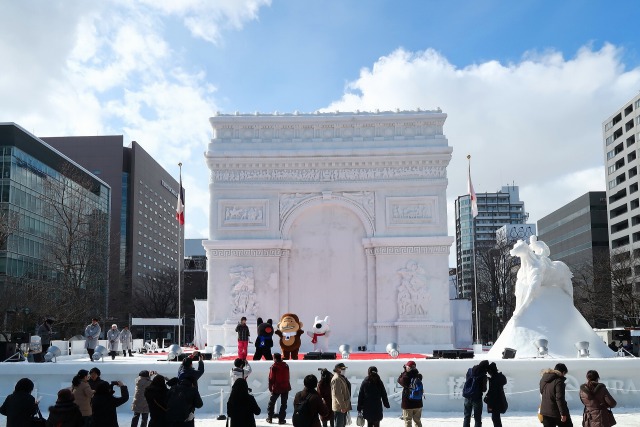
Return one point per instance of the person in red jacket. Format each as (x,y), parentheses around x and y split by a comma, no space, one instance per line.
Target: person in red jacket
(279,386)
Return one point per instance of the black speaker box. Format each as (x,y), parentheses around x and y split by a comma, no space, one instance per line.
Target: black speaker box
(313,355)
(449,354)
(509,353)
(465,354)
(328,356)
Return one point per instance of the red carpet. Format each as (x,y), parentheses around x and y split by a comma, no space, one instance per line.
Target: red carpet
(353,356)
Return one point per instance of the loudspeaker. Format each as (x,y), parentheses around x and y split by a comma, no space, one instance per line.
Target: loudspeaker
(328,356)
(509,353)
(437,354)
(449,354)
(465,354)
(314,355)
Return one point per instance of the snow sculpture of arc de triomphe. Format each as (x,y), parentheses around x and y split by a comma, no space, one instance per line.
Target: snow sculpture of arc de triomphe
(331,214)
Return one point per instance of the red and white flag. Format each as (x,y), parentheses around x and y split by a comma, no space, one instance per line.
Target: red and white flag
(472,195)
(180,205)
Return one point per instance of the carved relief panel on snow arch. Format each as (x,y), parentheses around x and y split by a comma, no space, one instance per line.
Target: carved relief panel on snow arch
(413,295)
(363,199)
(243,214)
(243,294)
(408,211)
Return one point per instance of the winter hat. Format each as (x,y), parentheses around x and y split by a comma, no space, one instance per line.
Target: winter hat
(144,373)
(411,364)
(65,396)
(339,366)
(114,326)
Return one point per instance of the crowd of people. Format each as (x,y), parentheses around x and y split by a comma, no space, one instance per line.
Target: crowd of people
(158,401)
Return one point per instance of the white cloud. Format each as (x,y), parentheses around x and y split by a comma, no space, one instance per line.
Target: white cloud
(208,19)
(536,123)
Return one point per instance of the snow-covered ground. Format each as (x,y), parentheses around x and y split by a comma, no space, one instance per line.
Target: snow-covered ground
(435,419)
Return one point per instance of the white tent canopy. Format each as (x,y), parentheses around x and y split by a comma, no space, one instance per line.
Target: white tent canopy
(154,321)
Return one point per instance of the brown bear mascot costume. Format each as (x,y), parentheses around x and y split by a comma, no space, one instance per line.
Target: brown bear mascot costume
(289,331)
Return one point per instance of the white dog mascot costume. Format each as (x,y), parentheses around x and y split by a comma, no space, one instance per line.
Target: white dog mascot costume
(319,334)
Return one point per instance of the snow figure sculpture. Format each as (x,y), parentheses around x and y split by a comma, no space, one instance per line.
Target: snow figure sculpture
(544,309)
(319,334)
(412,292)
(537,270)
(242,291)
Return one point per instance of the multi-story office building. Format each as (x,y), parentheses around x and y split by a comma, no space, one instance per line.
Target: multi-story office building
(577,234)
(54,233)
(145,234)
(494,211)
(621,132)
(195,281)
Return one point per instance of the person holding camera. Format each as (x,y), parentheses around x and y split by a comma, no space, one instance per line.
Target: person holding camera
(187,370)
(104,403)
(139,405)
(240,369)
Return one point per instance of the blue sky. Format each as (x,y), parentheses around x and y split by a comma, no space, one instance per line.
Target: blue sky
(526,84)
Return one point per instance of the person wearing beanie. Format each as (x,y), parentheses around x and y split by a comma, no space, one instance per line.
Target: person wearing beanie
(553,404)
(279,386)
(411,409)
(65,412)
(495,398)
(371,397)
(83,393)
(113,337)
(139,405)
(340,395)
(316,405)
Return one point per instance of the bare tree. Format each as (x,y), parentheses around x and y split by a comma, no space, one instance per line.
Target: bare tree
(157,295)
(625,267)
(76,249)
(496,277)
(592,288)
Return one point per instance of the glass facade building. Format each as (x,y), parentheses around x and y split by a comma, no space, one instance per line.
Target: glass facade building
(55,226)
(494,210)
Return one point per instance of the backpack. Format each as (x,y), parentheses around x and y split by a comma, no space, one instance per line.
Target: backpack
(471,385)
(416,390)
(302,413)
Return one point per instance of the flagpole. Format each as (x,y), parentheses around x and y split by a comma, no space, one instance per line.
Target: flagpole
(473,248)
(180,264)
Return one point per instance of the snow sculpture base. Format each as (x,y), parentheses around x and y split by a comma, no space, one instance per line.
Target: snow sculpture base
(417,336)
(552,316)
(225,334)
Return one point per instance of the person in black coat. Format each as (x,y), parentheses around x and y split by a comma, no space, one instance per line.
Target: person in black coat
(20,406)
(242,406)
(186,369)
(324,390)
(495,398)
(183,400)
(65,413)
(156,395)
(371,397)
(104,404)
